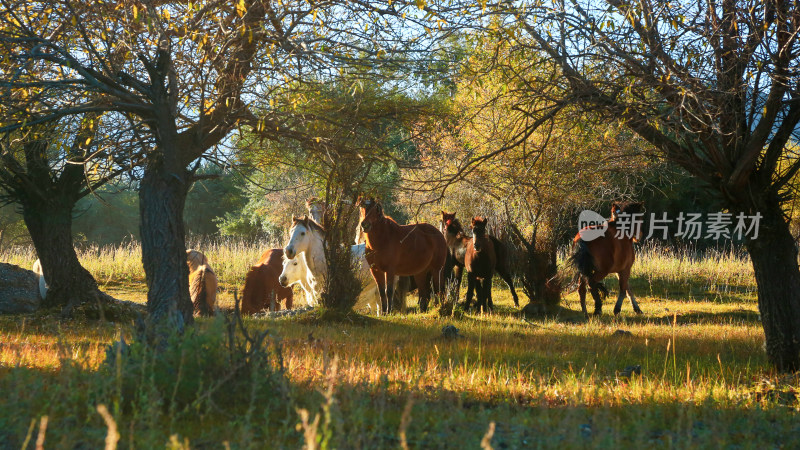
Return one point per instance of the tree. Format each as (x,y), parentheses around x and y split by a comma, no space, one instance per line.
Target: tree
(46,170)
(362,138)
(188,72)
(488,159)
(714,87)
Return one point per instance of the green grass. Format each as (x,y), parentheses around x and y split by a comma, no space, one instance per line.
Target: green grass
(555,382)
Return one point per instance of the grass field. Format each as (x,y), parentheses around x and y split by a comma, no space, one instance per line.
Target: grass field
(395,382)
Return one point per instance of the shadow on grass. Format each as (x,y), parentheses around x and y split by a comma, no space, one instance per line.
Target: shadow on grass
(663,318)
(451,405)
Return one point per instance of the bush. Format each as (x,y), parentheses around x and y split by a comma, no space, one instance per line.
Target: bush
(203,371)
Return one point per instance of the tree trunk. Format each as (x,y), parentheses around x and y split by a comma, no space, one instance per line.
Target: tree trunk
(543,260)
(50,226)
(774,258)
(162,196)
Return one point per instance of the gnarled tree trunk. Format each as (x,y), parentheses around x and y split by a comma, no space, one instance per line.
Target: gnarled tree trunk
(49,223)
(162,196)
(774,258)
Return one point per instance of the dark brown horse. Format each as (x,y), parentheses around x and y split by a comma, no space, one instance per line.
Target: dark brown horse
(261,284)
(392,249)
(480,260)
(609,253)
(457,243)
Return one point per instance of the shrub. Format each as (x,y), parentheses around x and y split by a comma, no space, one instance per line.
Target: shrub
(219,367)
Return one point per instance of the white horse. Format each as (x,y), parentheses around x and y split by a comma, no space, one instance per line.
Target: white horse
(296,271)
(307,239)
(307,248)
(37,269)
(316,209)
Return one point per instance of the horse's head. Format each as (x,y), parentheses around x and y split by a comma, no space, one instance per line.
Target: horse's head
(301,236)
(293,271)
(629,208)
(316,208)
(626,207)
(369,212)
(478,231)
(450,224)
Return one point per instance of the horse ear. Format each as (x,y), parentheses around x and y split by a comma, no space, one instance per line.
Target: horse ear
(379,208)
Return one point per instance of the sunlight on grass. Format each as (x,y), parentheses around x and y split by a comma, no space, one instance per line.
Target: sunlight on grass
(689,372)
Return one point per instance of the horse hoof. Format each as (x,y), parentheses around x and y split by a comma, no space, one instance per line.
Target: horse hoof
(616,312)
(638,311)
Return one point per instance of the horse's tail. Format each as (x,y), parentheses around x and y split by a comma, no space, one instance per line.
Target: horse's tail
(578,264)
(211,284)
(199,291)
(581,264)
(253,293)
(197,288)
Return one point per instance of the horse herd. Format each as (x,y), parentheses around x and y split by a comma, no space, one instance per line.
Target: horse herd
(393,259)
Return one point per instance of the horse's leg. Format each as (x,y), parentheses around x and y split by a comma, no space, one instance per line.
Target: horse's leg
(470,289)
(423,290)
(582,294)
(598,299)
(624,286)
(389,281)
(503,272)
(380,280)
(458,273)
(480,302)
(486,288)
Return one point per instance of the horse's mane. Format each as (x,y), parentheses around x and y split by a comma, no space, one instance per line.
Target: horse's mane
(308,222)
(390,219)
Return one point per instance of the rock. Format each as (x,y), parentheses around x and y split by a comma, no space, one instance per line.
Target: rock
(450,332)
(622,333)
(283,312)
(534,309)
(19,290)
(630,371)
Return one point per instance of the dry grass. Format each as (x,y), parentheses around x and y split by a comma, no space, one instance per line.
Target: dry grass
(554,382)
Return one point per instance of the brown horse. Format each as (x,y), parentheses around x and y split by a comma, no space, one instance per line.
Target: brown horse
(457,243)
(261,284)
(607,254)
(392,249)
(202,283)
(480,260)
